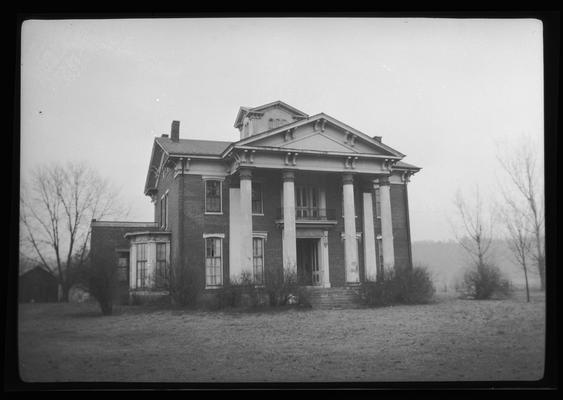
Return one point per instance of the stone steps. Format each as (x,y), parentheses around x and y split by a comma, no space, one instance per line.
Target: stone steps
(339,297)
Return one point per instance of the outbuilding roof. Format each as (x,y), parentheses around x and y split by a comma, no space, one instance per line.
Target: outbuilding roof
(193,146)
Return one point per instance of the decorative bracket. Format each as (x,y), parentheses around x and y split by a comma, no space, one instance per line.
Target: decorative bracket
(288,135)
(350,138)
(350,162)
(291,158)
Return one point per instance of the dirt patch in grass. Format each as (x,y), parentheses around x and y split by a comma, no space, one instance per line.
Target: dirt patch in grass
(449,340)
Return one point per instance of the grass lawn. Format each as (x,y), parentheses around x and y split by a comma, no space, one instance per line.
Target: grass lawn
(450,340)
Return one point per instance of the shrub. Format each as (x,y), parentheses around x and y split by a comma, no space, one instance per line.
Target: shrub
(411,286)
(382,292)
(484,281)
(282,287)
(241,292)
(185,285)
(415,286)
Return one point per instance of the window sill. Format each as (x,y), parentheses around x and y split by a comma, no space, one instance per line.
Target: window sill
(213,213)
(257,215)
(213,287)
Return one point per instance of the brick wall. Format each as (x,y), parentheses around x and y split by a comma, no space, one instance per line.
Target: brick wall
(400,226)
(196,223)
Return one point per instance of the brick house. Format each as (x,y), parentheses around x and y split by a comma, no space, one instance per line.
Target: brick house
(297,193)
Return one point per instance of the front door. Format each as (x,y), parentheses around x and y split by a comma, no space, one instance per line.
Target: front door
(308,267)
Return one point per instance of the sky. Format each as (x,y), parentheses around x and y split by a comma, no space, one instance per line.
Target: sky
(445,92)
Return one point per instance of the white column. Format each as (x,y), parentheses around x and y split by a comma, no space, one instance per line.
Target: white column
(386,223)
(324,259)
(245,228)
(289,232)
(133,265)
(234,234)
(369,238)
(350,237)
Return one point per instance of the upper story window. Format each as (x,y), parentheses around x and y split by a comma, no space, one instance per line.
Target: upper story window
(274,123)
(213,261)
(307,202)
(257,204)
(245,130)
(164,211)
(213,196)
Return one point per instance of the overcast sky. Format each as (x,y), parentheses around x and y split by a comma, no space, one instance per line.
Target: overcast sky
(441,91)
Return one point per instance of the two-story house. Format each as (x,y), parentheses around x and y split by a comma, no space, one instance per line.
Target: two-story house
(296,193)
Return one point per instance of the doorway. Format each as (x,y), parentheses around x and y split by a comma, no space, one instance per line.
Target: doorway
(308,268)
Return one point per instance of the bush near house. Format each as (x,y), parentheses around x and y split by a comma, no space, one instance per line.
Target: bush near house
(279,290)
(413,286)
(484,281)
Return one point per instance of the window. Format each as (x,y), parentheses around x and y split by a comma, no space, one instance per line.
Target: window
(161,273)
(164,211)
(123,266)
(141,265)
(213,196)
(257,207)
(258,260)
(213,261)
(270,123)
(307,202)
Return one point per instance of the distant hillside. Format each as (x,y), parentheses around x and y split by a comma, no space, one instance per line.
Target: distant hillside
(447,262)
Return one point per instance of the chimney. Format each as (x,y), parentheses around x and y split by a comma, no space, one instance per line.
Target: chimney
(377,138)
(175,131)
(165,135)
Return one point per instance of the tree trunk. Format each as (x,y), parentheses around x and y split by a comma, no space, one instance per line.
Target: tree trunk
(541,270)
(526,279)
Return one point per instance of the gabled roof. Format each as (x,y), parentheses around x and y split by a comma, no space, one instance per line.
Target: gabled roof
(243,111)
(251,139)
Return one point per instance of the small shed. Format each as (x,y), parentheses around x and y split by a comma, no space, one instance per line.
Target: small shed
(38,285)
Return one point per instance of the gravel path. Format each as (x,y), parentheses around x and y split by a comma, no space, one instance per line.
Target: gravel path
(450,340)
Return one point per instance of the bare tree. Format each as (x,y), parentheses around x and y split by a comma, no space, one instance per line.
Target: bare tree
(57,206)
(483,279)
(519,238)
(476,234)
(520,163)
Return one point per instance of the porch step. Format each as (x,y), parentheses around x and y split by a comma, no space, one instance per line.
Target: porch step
(338,297)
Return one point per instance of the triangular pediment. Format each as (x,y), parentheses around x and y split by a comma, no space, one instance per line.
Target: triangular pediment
(320,133)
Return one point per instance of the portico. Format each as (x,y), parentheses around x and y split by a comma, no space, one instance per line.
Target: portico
(305,219)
